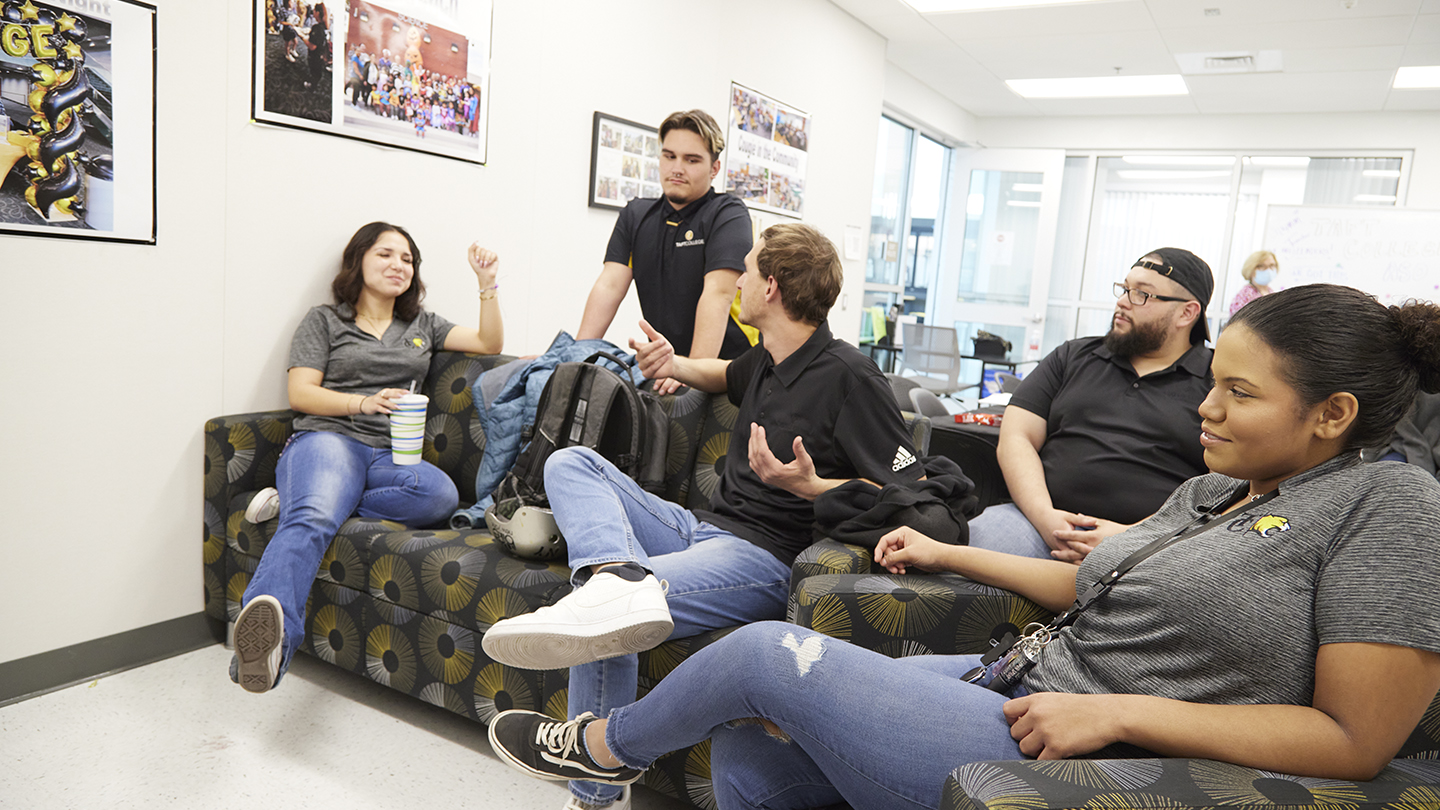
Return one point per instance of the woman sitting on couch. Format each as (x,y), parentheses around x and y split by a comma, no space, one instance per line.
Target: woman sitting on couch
(349,362)
(1293,626)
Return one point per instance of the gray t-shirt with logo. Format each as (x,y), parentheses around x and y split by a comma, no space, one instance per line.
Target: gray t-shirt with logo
(1347,552)
(354,362)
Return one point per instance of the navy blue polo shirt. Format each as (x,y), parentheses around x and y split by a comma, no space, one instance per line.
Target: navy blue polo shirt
(1116,444)
(670,252)
(831,395)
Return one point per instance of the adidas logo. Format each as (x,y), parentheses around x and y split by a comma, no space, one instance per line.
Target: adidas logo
(903,458)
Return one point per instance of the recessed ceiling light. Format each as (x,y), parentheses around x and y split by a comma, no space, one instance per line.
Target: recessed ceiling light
(1381,173)
(1408,78)
(1100,87)
(1167,174)
(937,6)
(1179,160)
(1279,161)
(1385,198)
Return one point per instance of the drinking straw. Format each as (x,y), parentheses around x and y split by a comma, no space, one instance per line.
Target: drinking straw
(412,386)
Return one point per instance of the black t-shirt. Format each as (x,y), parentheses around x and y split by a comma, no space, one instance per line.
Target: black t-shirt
(670,252)
(1116,444)
(832,396)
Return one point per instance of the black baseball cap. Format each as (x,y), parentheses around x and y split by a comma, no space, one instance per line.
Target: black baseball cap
(1192,273)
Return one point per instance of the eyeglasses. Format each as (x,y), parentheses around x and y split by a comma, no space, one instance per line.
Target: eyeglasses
(1140,298)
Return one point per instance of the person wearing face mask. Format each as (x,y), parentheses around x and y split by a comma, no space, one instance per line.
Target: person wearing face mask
(1259,272)
(349,363)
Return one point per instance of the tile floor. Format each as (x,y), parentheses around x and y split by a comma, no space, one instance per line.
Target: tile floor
(177,734)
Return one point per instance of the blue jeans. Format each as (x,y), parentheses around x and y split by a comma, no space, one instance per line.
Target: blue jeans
(323,479)
(1003,527)
(715,578)
(866,729)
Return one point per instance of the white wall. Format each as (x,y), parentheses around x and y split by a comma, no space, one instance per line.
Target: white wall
(122,352)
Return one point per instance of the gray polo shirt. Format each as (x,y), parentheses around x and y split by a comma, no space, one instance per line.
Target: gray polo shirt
(354,362)
(1347,552)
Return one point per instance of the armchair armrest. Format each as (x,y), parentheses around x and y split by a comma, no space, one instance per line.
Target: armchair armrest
(1193,784)
(910,614)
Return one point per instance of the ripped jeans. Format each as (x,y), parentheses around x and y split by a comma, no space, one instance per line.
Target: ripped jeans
(872,731)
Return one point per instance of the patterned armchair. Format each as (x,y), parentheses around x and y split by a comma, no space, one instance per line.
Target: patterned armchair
(837,590)
(406,608)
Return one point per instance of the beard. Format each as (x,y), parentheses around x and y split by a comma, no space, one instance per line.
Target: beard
(1141,339)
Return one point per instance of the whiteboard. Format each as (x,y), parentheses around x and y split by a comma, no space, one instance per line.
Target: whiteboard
(1391,253)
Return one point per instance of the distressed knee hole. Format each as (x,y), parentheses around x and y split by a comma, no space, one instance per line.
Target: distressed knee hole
(770,728)
(807,652)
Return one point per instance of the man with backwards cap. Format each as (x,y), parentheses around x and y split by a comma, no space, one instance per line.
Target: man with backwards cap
(1104,429)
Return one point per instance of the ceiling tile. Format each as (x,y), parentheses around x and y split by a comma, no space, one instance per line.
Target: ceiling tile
(1139,53)
(1430,7)
(1090,18)
(1191,13)
(1427,28)
(1421,53)
(1329,60)
(1164,105)
(1413,100)
(1350,33)
(1285,93)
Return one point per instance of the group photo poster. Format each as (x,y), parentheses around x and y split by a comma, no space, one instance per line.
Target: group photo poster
(77,119)
(766,148)
(412,74)
(624,162)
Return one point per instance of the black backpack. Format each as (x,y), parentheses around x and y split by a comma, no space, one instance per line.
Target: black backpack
(591,406)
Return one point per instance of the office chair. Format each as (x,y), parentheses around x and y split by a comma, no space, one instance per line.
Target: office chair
(926,403)
(933,353)
(1009,383)
(901,387)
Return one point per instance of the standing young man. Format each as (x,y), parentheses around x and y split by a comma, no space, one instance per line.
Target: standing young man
(684,250)
(813,413)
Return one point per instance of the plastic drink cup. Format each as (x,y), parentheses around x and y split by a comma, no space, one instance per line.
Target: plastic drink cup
(407,428)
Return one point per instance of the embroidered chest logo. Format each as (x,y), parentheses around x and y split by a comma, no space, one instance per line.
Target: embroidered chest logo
(1267,526)
(418,343)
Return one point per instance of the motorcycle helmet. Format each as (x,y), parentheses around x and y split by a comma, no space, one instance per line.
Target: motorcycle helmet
(525,531)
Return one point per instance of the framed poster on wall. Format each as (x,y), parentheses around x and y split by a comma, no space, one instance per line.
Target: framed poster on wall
(77,119)
(624,162)
(766,147)
(412,74)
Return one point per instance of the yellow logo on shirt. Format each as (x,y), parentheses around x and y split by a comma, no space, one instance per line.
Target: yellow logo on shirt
(1270,524)
(419,343)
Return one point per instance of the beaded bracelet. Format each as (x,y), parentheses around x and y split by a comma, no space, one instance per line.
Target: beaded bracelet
(493,292)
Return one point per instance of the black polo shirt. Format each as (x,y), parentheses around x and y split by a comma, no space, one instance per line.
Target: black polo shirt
(834,397)
(670,252)
(1116,444)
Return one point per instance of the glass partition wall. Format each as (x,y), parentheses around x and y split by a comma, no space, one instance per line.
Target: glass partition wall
(1113,208)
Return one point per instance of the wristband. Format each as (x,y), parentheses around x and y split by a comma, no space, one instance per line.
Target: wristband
(493,290)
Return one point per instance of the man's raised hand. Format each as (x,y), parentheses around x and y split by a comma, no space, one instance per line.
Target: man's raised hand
(654,355)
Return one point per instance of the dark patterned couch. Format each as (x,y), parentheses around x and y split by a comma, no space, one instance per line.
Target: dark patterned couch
(407,608)
(836,589)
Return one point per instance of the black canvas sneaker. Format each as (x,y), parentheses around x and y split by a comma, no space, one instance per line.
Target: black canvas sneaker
(546,748)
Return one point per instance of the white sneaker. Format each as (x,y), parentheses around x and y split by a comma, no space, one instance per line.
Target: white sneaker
(264,506)
(622,803)
(604,618)
(259,633)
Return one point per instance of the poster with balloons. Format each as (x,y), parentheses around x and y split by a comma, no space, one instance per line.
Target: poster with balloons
(77,119)
(412,74)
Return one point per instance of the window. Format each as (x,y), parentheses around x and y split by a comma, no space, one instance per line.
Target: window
(906,218)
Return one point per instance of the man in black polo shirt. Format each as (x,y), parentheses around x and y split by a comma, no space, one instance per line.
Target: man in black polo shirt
(683,250)
(1100,434)
(813,413)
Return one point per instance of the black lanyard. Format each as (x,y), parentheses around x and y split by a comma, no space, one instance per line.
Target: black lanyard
(1103,585)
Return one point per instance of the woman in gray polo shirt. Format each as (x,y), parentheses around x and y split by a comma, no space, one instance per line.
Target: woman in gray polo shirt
(349,361)
(1296,629)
